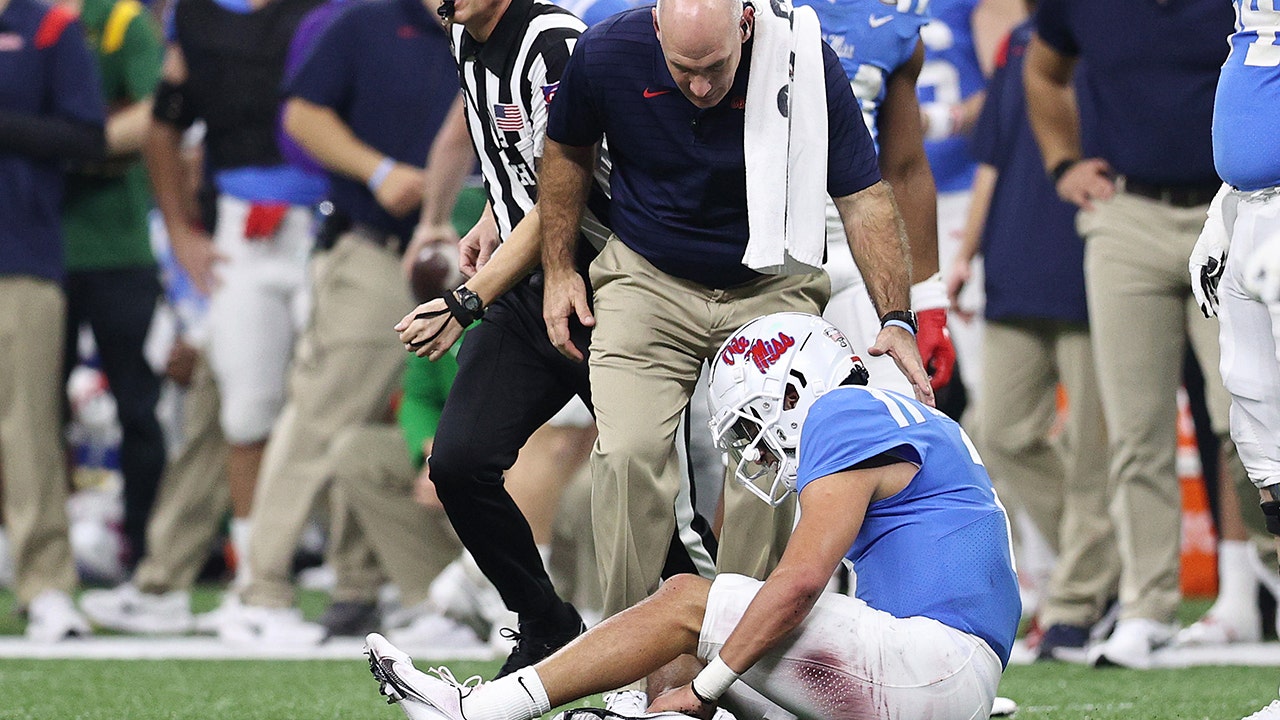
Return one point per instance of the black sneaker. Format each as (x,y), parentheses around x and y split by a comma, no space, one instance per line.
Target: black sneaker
(350,619)
(1061,637)
(537,640)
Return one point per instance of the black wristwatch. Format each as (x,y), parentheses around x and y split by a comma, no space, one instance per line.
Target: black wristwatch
(465,305)
(902,316)
(1061,169)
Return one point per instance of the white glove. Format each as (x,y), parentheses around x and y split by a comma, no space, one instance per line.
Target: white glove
(1209,257)
(1262,273)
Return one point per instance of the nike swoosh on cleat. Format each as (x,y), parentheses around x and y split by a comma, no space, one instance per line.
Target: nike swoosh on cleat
(648,93)
(879,21)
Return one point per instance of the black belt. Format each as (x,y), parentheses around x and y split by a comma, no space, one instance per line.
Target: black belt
(1183,196)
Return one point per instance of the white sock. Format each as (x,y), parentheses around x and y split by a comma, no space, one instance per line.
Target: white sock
(518,696)
(1237,584)
(240,531)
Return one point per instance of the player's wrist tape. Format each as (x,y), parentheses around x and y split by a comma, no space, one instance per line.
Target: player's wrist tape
(380,174)
(713,681)
(929,294)
(1271,511)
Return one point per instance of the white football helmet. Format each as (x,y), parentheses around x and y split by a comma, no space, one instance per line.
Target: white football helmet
(764,379)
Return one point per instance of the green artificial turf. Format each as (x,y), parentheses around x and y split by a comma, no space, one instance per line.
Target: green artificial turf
(320,690)
(323,689)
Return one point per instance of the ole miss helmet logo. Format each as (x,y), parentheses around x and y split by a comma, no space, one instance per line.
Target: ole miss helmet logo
(764,353)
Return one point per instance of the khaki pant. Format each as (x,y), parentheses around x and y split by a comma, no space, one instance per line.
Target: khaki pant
(1063,487)
(378,532)
(653,332)
(194,494)
(35,483)
(345,368)
(1142,314)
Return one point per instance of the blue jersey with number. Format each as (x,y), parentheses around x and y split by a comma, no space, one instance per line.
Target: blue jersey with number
(1247,103)
(872,39)
(950,74)
(940,547)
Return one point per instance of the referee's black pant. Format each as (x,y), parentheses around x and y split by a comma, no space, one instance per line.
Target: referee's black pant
(510,381)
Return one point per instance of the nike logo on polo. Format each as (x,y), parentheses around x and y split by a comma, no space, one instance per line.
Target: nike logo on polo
(651,93)
(878,21)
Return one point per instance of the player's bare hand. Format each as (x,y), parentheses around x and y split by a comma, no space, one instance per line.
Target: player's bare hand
(429,330)
(1088,180)
(401,190)
(682,700)
(900,345)
(197,255)
(477,246)
(565,295)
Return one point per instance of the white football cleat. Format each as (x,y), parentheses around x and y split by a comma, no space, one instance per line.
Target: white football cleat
(420,696)
(1270,712)
(125,608)
(52,616)
(254,625)
(1004,707)
(631,703)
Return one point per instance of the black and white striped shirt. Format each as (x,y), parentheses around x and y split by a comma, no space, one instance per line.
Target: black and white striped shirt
(508,82)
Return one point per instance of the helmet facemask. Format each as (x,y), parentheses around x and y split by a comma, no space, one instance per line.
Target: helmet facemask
(764,380)
(750,434)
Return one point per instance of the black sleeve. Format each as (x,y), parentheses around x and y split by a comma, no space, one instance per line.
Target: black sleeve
(51,138)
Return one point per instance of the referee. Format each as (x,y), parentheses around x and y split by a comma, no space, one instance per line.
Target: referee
(510,379)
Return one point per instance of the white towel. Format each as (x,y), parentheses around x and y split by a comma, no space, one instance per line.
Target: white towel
(786,152)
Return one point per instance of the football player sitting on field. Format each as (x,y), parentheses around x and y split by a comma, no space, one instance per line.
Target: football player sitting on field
(885,482)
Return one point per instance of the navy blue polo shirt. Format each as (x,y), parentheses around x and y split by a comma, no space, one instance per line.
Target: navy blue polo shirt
(679,175)
(385,68)
(46,69)
(1033,257)
(1152,69)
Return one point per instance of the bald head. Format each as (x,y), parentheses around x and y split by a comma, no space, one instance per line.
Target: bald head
(702,43)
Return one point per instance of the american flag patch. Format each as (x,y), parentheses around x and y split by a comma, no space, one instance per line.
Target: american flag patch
(507,117)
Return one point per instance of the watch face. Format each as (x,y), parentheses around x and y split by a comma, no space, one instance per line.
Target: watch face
(471,302)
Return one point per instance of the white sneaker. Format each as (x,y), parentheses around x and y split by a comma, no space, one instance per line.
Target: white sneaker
(1270,712)
(52,616)
(1131,643)
(1224,628)
(127,609)
(420,696)
(210,623)
(437,634)
(462,592)
(256,625)
(631,703)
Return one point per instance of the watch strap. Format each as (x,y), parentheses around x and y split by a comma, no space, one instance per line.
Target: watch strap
(454,300)
(901,317)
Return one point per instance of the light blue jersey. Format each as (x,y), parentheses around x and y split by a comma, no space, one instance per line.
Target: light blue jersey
(940,547)
(951,73)
(1245,151)
(872,39)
